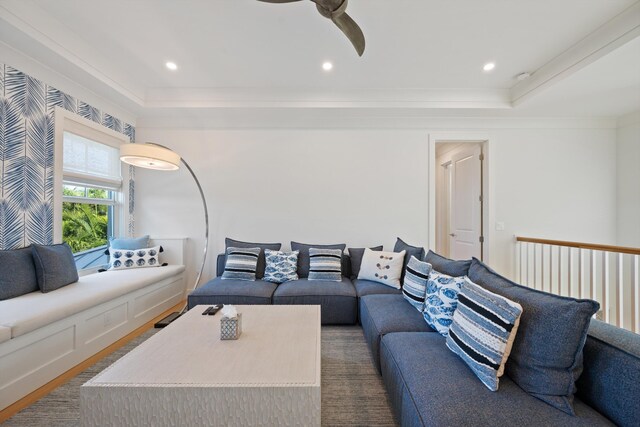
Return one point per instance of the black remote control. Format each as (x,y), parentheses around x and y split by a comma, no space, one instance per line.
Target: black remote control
(214,309)
(207,310)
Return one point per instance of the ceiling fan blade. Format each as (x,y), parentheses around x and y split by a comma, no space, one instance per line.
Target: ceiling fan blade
(353,32)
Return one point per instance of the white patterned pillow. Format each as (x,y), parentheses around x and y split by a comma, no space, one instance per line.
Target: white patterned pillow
(120,259)
(325,264)
(281,266)
(441,300)
(382,267)
(483,330)
(241,263)
(414,286)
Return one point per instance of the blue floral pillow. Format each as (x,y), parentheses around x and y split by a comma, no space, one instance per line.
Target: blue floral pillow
(281,266)
(441,300)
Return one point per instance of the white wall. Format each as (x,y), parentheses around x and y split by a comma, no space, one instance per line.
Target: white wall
(628,196)
(365,187)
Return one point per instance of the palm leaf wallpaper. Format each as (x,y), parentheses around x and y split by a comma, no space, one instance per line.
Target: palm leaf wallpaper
(27,154)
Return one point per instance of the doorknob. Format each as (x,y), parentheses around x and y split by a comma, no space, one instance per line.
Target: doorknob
(452,235)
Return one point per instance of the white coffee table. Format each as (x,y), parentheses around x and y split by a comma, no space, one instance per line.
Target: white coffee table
(185,375)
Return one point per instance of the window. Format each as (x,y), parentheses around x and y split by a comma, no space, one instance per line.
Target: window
(91,195)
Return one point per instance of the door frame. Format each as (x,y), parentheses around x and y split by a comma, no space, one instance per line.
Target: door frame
(487,184)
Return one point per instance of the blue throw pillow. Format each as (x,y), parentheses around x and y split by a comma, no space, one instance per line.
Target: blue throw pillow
(416,251)
(17,273)
(281,266)
(441,300)
(127,243)
(546,359)
(414,286)
(455,268)
(325,264)
(483,330)
(241,263)
(55,266)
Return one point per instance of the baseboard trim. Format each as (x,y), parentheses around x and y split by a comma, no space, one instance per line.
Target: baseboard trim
(39,393)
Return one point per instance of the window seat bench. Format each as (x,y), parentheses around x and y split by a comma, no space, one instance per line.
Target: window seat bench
(42,335)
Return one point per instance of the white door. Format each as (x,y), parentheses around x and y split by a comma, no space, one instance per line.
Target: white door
(466,204)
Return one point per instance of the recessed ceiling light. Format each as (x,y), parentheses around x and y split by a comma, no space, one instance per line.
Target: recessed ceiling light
(489,66)
(171,65)
(327,66)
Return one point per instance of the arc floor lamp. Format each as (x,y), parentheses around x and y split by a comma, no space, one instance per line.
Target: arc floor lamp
(158,157)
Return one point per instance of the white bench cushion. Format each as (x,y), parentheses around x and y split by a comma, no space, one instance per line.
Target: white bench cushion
(35,310)
(5,333)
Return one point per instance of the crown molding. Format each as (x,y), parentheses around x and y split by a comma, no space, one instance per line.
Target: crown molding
(33,22)
(619,30)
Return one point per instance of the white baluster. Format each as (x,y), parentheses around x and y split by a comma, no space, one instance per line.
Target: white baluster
(592,274)
(535,266)
(635,286)
(528,258)
(551,269)
(620,289)
(520,261)
(580,273)
(542,267)
(605,286)
(569,271)
(559,270)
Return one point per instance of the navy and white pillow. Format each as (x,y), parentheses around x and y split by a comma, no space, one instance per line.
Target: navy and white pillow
(414,287)
(241,263)
(483,330)
(121,259)
(325,264)
(281,266)
(441,300)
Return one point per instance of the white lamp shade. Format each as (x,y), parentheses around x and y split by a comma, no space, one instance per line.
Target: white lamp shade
(149,156)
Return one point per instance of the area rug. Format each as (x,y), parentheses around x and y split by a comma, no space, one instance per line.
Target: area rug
(352,390)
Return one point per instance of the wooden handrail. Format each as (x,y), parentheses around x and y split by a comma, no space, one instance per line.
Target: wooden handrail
(595,247)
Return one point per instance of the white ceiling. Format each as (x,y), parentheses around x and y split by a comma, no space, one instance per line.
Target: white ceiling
(425,54)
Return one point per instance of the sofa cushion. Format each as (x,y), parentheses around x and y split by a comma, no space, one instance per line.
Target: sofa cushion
(55,266)
(356,255)
(338,300)
(89,291)
(5,333)
(610,381)
(17,273)
(455,268)
(546,358)
(367,287)
(428,385)
(303,256)
(228,243)
(228,291)
(383,314)
(416,251)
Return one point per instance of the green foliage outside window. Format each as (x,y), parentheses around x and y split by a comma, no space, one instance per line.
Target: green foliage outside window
(85,225)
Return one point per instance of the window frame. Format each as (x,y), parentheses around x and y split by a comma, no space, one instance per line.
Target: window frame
(66,121)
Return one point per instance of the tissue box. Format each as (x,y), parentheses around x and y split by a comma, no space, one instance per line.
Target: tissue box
(230,329)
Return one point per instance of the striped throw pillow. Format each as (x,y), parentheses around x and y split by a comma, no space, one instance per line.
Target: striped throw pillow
(325,264)
(414,287)
(241,263)
(483,330)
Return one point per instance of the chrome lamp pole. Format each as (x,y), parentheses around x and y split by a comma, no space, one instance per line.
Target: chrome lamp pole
(158,157)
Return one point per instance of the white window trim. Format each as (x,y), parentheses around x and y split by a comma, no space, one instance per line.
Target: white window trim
(71,122)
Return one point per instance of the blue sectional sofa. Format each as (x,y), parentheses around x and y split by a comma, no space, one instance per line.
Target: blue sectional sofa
(428,384)
(338,300)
